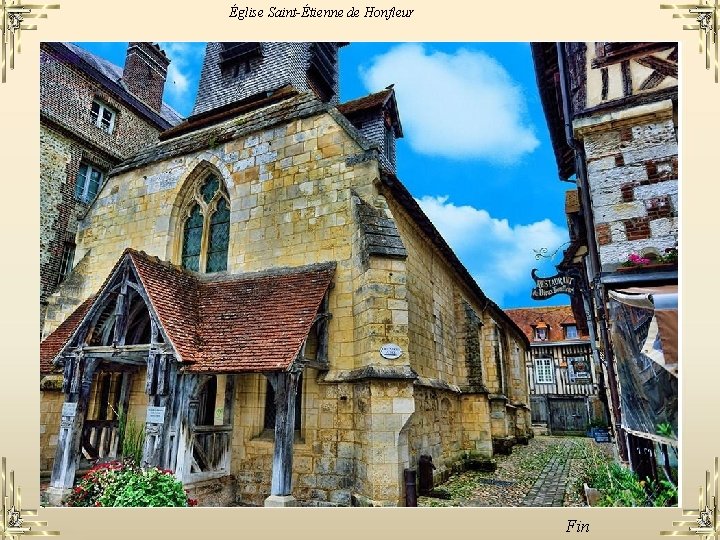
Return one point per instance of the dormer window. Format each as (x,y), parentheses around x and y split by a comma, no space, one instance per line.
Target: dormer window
(571,331)
(103,116)
(541,332)
(389,142)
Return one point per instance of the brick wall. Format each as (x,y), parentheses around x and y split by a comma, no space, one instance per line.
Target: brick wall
(145,72)
(66,95)
(60,159)
(67,138)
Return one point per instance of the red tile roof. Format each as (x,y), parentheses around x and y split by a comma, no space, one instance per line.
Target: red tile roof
(240,323)
(51,345)
(553,316)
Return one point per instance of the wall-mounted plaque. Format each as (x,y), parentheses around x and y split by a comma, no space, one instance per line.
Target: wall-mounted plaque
(69,409)
(155,415)
(391,351)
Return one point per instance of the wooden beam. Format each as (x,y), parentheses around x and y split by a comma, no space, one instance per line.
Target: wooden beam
(67,454)
(285,386)
(121,309)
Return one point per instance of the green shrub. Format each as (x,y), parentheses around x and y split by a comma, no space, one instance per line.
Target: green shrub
(147,487)
(622,487)
(91,486)
(125,484)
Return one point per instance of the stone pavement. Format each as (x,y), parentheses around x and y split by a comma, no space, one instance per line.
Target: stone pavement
(546,472)
(549,489)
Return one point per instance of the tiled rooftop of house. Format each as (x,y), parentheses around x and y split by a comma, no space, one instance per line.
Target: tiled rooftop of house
(556,318)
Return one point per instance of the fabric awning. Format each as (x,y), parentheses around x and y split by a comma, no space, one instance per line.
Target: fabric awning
(661,344)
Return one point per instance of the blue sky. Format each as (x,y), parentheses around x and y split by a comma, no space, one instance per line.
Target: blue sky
(475,154)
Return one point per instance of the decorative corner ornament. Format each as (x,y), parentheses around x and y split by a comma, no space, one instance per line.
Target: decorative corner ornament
(13,523)
(705,517)
(12,15)
(706,14)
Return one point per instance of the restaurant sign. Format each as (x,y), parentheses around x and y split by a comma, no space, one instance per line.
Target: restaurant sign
(550,286)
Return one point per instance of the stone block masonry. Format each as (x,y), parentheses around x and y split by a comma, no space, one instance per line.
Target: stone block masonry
(633,178)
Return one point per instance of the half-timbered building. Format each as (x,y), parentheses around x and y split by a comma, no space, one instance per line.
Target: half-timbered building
(612,114)
(563,378)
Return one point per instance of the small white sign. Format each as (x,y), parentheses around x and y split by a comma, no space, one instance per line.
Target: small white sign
(391,351)
(155,415)
(69,409)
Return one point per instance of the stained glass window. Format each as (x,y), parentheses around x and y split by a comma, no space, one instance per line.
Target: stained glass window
(219,236)
(209,188)
(192,239)
(206,232)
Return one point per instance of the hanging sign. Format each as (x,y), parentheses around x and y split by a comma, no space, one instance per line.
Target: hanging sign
(550,286)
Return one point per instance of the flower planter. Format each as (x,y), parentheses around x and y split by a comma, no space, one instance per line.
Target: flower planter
(659,267)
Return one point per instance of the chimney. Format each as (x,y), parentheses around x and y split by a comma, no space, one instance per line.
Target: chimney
(145,72)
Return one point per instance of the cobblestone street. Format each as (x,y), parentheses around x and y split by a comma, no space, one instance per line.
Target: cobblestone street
(546,472)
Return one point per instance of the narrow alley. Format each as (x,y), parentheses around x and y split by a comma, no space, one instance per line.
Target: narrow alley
(549,471)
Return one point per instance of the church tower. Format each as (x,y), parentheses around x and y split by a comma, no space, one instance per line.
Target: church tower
(232,72)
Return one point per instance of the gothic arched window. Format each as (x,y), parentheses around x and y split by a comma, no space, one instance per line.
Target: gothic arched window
(206,231)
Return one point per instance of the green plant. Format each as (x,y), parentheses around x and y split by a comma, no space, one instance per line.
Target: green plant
(664,429)
(132,435)
(622,487)
(122,483)
(91,486)
(148,487)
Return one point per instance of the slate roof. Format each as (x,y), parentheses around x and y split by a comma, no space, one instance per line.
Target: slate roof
(106,72)
(553,316)
(547,75)
(380,234)
(253,322)
(370,102)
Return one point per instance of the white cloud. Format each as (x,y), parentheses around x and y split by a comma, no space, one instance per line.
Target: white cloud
(185,59)
(462,105)
(499,255)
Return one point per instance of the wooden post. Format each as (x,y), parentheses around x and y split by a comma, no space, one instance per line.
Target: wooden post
(67,454)
(160,385)
(285,386)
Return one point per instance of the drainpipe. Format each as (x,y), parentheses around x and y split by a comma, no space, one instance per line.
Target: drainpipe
(593,259)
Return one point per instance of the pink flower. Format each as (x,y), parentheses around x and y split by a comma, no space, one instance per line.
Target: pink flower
(637,259)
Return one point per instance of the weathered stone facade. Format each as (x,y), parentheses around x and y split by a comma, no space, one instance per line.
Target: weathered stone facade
(306,187)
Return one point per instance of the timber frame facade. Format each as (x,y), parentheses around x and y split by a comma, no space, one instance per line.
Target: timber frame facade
(566,384)
(612,113)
